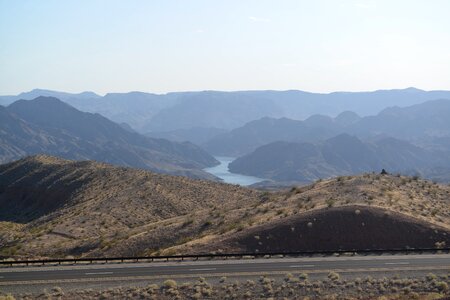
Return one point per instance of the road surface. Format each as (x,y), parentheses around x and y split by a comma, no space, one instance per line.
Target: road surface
(216,268)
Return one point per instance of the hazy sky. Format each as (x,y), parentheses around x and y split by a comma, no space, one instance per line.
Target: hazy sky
(160,46)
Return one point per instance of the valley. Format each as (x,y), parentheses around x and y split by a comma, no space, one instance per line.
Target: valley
(235,150)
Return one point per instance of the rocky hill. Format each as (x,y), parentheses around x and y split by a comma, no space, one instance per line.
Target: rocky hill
(50,126)
(341,155)
(63,207)
(54,208)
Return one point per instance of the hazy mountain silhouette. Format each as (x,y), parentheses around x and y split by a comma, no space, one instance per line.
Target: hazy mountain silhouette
(147,112)
(431,118)
(63,96)
(213,109)
(247,138)
(340,155)
(48,125)
(196,135)
(422,124)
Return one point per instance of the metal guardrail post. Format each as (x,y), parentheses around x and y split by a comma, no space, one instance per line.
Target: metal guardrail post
(228,255)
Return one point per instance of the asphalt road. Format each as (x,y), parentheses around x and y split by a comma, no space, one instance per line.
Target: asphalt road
(99,272)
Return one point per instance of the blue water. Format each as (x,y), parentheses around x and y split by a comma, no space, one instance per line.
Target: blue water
(222,172)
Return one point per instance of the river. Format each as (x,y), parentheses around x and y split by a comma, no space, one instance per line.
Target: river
(222,172)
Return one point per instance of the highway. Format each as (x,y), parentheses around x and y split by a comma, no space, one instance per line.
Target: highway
(216,268)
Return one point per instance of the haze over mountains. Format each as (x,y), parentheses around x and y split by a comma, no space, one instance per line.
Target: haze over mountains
(423,122)
(337,156)
(404,131)
(147,112)
(48,125)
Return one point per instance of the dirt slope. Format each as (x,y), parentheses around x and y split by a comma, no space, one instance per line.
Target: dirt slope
(54,208)
(68,207)
(344,228)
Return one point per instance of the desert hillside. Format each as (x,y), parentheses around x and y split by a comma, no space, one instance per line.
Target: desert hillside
(55,208)
(328,229)
(52,206)
(409,210)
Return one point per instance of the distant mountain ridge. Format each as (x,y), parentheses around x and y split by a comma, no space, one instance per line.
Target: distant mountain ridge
(48,125)
(147,112)
(256,133)
(340,155)
(421,123)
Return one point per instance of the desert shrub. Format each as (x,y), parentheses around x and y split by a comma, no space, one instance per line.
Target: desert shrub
(288,276)
(170,284)
(330,202)
(439,245)
(442,286)
(250,283)
(265,196)
(333,276)
(303,276)
(431,277)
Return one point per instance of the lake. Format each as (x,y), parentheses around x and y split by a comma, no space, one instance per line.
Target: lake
(222,172)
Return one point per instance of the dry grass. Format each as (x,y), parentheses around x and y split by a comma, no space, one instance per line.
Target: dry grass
(292,286)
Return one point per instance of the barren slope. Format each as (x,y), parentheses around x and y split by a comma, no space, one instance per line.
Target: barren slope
(68,207)
(328,229)
(55,207)
(414,204)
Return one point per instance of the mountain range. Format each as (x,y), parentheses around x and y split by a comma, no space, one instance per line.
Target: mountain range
(251,125)
(426,124)
(48,125)
(337,156)
(146,112)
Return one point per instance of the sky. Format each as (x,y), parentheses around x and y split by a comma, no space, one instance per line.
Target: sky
(168,45)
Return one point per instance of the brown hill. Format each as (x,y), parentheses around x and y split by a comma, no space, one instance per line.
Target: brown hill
(54,207)
(328,229)
(64,207)
(415,208)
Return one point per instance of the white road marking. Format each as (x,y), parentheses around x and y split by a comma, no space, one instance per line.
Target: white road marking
(98,273)
(204,269)
(397,263)
(301,266)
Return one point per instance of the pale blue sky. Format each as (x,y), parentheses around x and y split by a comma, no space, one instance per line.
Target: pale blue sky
(161,46)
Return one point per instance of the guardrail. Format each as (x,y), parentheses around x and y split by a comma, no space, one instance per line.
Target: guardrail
(221,256)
